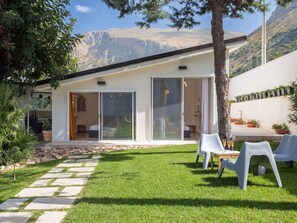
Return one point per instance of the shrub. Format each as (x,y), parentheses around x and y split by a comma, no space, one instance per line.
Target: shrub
(293,100)
(280,126)
(15,142)
(46,125)
(254,122)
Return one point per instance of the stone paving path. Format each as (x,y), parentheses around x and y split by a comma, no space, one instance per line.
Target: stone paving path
(52,194)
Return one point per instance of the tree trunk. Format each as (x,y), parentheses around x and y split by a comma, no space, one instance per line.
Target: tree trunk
(14,175)
(221,77)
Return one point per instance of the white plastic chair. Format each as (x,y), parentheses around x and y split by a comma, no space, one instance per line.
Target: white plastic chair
(284,151)
(251,154)
(208,143)
(284,145)
(288,152)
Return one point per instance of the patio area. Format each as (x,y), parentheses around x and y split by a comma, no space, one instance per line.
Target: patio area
(239,133)
(243,133)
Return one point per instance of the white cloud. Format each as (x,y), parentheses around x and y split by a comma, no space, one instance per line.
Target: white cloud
(83,9)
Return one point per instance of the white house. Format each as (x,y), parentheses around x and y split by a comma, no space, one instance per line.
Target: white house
(151,98)
(279,72)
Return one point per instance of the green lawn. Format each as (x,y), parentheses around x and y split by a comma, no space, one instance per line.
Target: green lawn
(165,185)
(25,177)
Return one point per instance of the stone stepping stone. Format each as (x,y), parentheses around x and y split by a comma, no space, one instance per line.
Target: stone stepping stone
(69,165)
(56,170)
(87,160)
(51,203)
(15,217)
(78,156)
(84,174)
(69,161)
(97,156)
(12,204)
(70,191)
(70,182)
(56,175)
(52,217)
(82,169)
(40,183)
(91,164)
(38,192)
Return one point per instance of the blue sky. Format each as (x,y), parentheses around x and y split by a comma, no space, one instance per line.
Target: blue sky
(94,15)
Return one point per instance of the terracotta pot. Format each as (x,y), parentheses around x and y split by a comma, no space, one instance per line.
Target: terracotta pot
(232,119)
(237,122)
(47,136)
(281,131)
(250,125)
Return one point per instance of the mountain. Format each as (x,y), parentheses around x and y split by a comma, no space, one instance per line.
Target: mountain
(101,48)
(281,40)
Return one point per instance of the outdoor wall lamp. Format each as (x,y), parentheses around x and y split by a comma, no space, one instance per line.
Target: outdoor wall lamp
(182,67)
(101,83)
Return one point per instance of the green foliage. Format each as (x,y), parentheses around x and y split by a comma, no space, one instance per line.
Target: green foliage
(36,41)
(46,125)
(280,126)
(15,142)
(182,14)
(11,115)
(293,100)
(17,154)
(254,122)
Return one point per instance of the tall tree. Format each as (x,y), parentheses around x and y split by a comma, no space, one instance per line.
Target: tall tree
(36,41)
(184,14)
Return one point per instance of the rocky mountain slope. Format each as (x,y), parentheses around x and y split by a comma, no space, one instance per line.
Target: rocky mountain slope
(101,48)
(281,40)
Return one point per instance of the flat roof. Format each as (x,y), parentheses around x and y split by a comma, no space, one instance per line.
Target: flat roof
(143,59)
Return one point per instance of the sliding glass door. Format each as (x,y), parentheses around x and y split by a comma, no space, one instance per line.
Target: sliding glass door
(118,115)
(167,108)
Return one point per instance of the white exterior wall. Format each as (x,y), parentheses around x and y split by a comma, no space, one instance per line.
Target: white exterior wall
(281,71)
(136,80)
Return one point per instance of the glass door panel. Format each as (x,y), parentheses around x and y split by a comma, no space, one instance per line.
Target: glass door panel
(167,108)
(117,115)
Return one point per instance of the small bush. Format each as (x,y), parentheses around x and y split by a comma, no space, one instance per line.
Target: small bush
(280,126)
(293,100)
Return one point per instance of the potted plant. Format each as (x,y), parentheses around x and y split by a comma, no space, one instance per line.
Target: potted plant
(267,93)
(280,128)
(257,95)
(277,91)
(282,90)
(241,98)
(289,89)
(232,119)
(238,121)
(272,93)
(263,94)
(252,123)
(47,130)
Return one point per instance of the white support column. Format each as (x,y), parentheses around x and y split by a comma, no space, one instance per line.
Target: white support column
(264,39)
